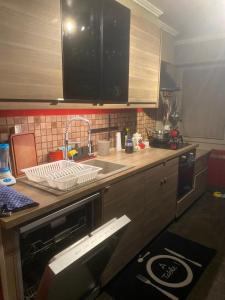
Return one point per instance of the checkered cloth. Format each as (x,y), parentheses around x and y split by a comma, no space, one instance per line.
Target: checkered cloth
(11,200)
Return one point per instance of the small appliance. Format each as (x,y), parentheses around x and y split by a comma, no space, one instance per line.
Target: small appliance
(6,177)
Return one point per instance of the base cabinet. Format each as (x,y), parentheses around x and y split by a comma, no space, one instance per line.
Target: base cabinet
(149,200)
(160,200)
(201,183)
(125,197)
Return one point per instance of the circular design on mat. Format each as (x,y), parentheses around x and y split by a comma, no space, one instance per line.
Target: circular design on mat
(174,263)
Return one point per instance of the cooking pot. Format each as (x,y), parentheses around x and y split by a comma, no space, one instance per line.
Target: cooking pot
(161,135)
(158,136)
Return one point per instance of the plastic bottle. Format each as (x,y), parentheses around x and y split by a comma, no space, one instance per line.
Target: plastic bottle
(124,137)
(129,145)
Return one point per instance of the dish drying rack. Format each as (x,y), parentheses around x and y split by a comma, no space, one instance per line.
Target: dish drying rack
(62,174)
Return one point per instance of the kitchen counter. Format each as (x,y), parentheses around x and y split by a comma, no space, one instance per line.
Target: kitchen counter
(137,161)
(202,152)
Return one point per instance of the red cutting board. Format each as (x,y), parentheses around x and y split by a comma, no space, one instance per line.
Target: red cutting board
(24,153)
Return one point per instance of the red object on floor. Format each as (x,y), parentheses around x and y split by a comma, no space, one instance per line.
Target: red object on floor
(216,171)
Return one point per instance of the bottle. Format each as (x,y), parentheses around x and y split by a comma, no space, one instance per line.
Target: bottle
(129,145)
(124,137)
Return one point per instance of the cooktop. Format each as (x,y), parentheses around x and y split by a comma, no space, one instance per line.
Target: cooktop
(168,146)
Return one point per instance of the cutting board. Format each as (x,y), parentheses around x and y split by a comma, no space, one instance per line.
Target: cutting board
(24,155)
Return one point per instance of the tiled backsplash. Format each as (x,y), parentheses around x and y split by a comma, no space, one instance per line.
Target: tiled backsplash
(49,130)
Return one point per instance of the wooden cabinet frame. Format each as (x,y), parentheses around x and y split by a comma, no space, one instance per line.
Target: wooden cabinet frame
(142,197)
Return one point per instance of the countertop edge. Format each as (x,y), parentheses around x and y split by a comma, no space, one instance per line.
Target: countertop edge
(27,215)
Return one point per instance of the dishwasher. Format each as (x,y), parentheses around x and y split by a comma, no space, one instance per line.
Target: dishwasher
(69,247)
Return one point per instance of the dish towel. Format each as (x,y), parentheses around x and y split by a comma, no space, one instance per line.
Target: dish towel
(11,200)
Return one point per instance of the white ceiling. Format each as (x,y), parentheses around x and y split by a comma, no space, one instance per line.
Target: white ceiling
(193,18)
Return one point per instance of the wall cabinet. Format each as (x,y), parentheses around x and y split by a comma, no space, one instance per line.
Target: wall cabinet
(149,200)
(30,50)
(95,51)
(31,56)
(144,72)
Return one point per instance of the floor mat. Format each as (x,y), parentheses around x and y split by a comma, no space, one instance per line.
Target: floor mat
(166,269)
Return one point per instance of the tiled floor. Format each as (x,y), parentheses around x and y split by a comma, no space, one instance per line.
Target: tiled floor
(204,223)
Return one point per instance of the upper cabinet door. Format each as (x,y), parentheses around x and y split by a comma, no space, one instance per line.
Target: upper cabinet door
(95,51)
(81,49)
(30,50)
(145,49)
(116,38)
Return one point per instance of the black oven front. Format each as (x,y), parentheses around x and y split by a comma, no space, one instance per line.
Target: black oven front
(45,237)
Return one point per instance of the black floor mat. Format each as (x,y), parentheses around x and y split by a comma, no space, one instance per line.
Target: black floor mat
(169,271)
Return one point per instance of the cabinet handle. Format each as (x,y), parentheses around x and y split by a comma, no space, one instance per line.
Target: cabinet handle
(165,180)
(107,188)
(162,182)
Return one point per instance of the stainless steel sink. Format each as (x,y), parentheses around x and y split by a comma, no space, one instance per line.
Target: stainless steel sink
(108,168)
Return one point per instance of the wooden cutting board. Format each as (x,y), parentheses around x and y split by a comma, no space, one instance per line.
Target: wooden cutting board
(24,155)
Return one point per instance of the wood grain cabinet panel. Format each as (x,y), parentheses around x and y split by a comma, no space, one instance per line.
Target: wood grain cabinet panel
(145,45)
(150,204)
(30,49)
(160,200)
(125,197)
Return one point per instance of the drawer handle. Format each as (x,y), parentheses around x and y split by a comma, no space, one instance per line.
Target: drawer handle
(107,188)
(165,180)
(162,182)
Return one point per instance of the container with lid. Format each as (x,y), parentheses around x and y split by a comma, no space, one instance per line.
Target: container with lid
(4,158)
(103,147)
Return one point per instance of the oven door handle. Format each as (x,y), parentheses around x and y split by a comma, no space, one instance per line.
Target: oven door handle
(58,213)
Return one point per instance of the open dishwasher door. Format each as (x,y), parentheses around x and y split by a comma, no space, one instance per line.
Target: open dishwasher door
(75,272)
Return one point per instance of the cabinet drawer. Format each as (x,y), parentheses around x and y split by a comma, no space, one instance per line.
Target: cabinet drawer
(172,162)
(201,163)
(158,173)
(168,164)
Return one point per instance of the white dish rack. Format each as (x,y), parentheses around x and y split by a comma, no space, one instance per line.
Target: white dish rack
(62,174)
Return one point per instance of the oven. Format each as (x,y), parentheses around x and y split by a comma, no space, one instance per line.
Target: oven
(45,237)
(186,173)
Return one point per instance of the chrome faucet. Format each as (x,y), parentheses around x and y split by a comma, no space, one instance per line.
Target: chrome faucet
(66,135)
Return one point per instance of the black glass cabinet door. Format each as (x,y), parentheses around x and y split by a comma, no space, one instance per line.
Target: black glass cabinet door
(115,67)
(95,50)
(81,49)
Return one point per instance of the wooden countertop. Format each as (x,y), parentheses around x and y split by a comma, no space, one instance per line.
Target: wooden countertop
(202,152)
(137,161)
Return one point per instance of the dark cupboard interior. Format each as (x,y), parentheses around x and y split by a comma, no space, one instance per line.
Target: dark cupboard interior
(95,50)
